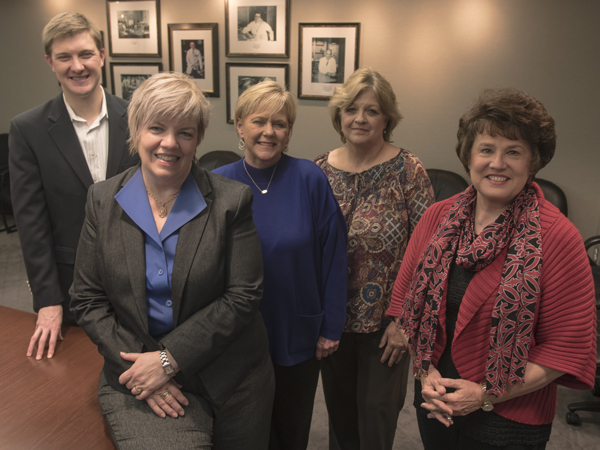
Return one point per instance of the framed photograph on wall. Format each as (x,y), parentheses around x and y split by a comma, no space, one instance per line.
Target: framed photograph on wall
(194,49)
(134,28)
(244,75)
(103,82)
(328,55)
(127,77)
(257,28)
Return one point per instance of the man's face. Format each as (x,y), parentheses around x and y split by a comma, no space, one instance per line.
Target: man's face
(192,45)
(328,54)
(257,18)
(77,63)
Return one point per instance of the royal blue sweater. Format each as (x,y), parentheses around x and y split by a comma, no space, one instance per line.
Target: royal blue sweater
(303,238)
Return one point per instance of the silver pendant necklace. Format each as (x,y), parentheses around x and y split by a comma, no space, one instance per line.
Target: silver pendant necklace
(262,191)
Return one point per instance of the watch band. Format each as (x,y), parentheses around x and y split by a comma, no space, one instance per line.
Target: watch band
(487,401)
(166,365)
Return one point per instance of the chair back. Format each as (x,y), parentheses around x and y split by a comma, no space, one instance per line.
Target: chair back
(217,158)
(446,183)
(554,195)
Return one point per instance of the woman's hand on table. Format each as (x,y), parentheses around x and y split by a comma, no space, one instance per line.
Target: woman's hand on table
(395,345)
(146,374)
(433,393)
(325,347)
(168,400)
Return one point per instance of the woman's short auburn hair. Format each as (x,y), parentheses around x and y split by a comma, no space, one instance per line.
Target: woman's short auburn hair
(362,79)
(266,97)
(168,95)
(512,114)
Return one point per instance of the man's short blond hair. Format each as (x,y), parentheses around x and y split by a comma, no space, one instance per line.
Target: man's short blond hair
(69,24)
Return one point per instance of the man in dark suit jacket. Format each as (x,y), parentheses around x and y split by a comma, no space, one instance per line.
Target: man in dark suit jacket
(57,151)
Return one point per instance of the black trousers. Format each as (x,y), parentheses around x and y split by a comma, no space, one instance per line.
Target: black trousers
(436,436)
(295,388)
(364,397)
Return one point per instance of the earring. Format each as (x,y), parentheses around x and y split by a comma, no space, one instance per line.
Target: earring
(242,145)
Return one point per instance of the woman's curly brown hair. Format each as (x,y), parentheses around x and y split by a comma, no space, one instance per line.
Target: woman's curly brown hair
(513,114)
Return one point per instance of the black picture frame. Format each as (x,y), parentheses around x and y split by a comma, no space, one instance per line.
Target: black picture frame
(328,54)
(126,77)
(241,76)
(245,37)
(134,28)
(205,39)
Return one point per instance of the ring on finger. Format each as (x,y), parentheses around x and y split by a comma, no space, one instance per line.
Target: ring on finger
(165,394)
(137,390)
(448,417)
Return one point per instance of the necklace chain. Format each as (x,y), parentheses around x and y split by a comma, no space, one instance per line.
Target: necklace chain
(262,191)
(162,210)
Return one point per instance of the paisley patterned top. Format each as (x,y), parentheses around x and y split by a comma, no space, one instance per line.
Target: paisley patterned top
(382,206)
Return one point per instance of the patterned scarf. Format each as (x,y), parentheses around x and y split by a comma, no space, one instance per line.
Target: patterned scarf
(518,227)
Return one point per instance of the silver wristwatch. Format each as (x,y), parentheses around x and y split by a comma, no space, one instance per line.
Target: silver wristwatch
(167,367)
(487,401)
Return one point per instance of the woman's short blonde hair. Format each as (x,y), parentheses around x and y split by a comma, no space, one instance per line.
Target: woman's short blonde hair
(266,97)
(69,24)
(169,95)
(362,79)
(514,115)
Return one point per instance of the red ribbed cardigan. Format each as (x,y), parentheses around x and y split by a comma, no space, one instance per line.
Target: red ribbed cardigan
(564,336)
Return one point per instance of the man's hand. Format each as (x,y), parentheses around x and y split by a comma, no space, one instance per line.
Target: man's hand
(47,329)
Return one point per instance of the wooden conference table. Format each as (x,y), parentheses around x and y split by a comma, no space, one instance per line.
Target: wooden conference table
(51,404)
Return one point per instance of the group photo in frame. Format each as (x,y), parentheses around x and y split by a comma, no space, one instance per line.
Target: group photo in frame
(257,28)
(134,28)
(126,77)
(194,50)
(328,55)
(241,76)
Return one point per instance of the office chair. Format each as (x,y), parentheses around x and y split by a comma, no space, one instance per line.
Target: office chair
(217,158)
(572,416)
(5,203)
(445,183)
(554,195)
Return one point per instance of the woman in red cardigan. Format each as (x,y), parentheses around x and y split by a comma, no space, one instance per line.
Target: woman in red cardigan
(495,295)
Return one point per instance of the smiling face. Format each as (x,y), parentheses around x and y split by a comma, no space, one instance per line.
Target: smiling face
(77,63)
(167,148)
(266,137)
(363,121)
(499,169)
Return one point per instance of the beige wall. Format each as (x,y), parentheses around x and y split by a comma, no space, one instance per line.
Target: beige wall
(438,54)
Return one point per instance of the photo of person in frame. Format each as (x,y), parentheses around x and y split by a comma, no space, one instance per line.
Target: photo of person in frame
(246,82)
(328,55)
(192,57)
(129,83)
(257,23)
(134,24)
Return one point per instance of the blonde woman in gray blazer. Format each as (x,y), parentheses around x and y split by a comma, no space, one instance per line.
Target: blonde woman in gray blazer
(168,281)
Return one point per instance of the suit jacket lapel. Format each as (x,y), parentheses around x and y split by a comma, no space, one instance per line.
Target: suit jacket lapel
(66,140)
(132,240)
(117,134)
(189,239)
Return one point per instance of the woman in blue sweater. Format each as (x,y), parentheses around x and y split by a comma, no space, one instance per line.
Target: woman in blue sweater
(303,239)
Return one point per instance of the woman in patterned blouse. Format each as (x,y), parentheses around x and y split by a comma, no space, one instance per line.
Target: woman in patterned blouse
(383,192)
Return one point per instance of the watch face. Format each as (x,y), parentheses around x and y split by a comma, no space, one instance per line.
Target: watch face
(487,406)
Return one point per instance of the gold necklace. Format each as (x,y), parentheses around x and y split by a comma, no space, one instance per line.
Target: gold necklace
(262,191)
(162,210)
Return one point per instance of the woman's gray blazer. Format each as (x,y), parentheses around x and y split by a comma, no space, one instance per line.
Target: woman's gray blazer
(219,334)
